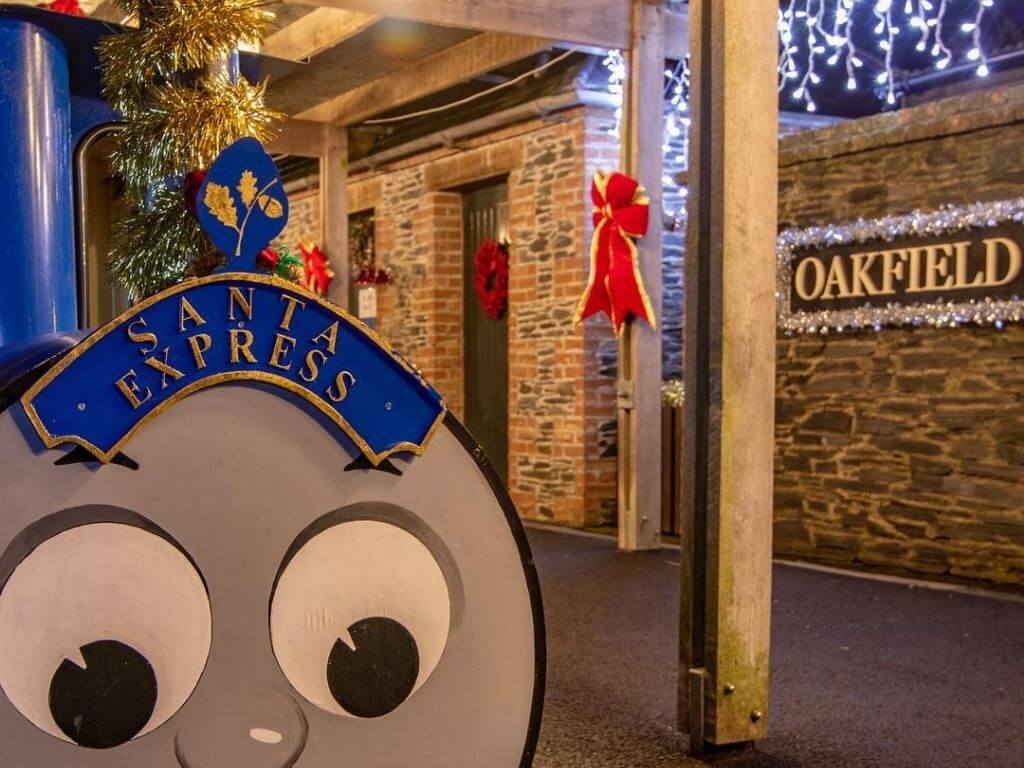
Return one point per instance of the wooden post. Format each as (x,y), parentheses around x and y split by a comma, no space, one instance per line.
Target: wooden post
(334,209)
(639,369)
(730,374)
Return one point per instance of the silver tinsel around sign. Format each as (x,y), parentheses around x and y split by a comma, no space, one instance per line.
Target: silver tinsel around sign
(946,221)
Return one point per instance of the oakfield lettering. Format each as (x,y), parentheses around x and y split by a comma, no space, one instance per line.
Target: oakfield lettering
(989,264)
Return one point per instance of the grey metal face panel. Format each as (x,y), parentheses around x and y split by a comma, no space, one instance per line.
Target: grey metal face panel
(234,474)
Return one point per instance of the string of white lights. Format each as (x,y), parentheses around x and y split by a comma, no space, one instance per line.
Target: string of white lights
(815,35)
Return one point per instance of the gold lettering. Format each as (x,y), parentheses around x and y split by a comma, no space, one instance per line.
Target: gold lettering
(130,389)
(241,340)
(200,343)
(836,279)
(165,368)
(312,365)
(914,256)
(145,337)
(281,351)
(801,278)
(187,312)
(339,385)
(236,297)
(330,335)
(992,261)
(936,265)
(892,269)
(962,250)
(286,321)
(862,281)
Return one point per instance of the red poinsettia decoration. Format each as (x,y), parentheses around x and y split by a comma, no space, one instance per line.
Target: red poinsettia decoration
(318,270)
(70,7)
(490,278)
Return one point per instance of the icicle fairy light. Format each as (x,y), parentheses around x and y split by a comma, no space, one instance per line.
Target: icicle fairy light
(177,117)
(819,39)
(674,144)
(857,42)
(950,220)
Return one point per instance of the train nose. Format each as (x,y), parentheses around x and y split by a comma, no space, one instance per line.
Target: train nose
(257,728)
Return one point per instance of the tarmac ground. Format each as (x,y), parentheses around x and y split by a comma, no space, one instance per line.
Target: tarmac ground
(865,672)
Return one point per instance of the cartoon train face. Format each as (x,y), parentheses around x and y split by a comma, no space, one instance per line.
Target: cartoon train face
(241,587)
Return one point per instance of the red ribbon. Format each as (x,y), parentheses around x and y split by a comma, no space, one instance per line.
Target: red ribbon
(615,285)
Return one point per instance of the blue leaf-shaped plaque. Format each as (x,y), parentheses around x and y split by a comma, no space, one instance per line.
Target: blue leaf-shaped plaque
(241,203)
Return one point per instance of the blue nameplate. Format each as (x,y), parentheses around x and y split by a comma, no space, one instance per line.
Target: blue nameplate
(232,327)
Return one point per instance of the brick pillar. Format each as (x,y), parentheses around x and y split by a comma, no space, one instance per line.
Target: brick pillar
(438,297)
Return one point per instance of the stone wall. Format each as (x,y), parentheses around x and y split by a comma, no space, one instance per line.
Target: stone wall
(904,449)
(558,408)
(303,219)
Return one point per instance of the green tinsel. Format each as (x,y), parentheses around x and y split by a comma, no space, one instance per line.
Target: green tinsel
(152,247)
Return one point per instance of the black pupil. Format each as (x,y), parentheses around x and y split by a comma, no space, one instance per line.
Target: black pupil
(109,701)
(378,674)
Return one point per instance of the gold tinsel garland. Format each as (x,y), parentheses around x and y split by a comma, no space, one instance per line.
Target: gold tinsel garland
(177,119)
(186,127)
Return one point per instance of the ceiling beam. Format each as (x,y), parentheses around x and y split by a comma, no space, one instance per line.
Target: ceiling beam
(300,138)
(602,23)
(317,31)
(595,24)
(109,10)
(457,64)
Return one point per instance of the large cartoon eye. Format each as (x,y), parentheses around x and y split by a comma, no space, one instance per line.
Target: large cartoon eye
(360,617)
(104,633)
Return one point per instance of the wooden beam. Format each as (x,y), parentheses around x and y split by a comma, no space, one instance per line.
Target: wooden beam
(108,10)
(639,369)
(298,137)
(597,22)
(334,209)
(374,52)
(455,65)
(729,368)
(320,29)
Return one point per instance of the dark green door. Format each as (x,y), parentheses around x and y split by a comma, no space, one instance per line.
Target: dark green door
(485,351)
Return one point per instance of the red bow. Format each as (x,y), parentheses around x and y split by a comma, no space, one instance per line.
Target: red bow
(317,268)
(615,285)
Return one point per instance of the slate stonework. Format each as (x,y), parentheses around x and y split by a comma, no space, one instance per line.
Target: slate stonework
(905,448)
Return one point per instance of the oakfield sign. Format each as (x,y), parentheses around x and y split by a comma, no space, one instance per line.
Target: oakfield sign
(948,267)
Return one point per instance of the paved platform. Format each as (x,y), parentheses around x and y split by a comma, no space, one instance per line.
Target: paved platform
(864,673)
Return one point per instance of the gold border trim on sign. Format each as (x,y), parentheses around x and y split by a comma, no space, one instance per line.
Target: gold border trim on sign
(52,441)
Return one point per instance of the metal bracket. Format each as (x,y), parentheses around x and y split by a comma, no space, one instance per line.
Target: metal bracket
(624,394)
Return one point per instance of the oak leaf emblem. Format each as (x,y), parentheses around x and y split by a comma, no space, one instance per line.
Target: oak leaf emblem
(218,201)
(247,188)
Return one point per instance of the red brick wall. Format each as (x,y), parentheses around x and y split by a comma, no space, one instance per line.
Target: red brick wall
(559,404)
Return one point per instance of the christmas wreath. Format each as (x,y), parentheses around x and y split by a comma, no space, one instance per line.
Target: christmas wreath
(490,279)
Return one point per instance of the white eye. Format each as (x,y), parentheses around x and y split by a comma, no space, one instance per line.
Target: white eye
(104,633)
(360,617)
